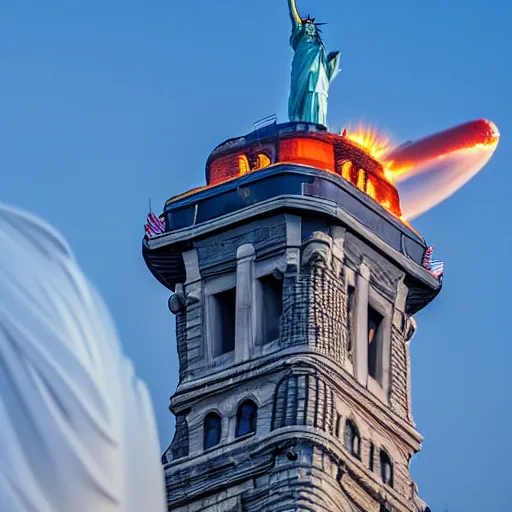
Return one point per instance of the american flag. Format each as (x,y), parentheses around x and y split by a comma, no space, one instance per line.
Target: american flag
(435,267)
(427,258)
(154,226)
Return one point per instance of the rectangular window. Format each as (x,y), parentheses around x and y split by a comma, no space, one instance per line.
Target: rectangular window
(375,344)
(223,307)
(306,151)
(271,307)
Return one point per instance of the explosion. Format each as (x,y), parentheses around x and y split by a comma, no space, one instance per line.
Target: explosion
(407,179)
(428,171)
(374,142)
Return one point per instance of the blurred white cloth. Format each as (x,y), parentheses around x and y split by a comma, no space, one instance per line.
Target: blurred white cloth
(77,430)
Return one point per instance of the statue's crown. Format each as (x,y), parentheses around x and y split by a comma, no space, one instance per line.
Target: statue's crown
(309,19)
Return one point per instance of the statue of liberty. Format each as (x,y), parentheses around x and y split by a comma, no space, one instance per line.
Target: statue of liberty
(312,70)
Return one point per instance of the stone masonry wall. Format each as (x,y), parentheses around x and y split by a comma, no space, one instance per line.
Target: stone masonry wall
(315,311)
(399,379)
(310,391)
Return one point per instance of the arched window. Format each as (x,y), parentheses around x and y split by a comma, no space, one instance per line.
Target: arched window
(212,430)
(262,161)
(349,172)
(361,180)
(352,439)
(243,164)
(246,417)
(386,468)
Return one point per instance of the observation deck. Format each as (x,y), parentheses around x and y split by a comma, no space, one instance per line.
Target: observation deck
(297,168)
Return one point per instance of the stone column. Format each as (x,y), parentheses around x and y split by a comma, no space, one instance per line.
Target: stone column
(400,371)
(293,244)
(361,325)
(338,237)
(244,336)
(189,320)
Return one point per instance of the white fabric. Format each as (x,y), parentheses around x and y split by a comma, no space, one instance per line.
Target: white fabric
(77,430)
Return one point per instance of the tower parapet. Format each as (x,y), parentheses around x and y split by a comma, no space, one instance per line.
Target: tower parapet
(294,287)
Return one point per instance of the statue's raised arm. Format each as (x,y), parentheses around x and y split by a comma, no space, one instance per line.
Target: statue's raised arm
(294,14)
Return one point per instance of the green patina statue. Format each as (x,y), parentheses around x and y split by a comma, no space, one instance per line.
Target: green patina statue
(312,70)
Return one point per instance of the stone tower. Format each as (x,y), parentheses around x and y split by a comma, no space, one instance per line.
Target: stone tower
(294,284)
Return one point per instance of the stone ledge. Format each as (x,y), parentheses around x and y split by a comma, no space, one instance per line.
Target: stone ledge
(317,205)
(342,382)
(231,466)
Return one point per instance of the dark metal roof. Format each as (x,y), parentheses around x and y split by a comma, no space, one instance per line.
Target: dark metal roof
(285,179)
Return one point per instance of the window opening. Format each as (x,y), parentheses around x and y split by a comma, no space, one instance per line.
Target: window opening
(374,343)
(246,417)
(306,151)
(243,164)
(349,172)
(271,307)
(371,456)
(223,319)
(386,468)
(262,161)
(212,430)
(352,439)
(361,180)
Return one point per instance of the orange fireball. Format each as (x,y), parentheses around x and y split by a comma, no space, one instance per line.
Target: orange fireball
(428,171)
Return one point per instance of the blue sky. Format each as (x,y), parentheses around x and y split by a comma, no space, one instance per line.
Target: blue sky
(106,104)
